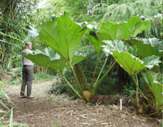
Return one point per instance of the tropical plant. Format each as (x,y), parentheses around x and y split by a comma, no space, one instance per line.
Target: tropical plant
(128,56)
(64,37)
(130,63)
(111,33)
(156,87)
(67,46)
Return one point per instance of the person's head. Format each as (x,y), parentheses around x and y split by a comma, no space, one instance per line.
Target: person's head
(28,45)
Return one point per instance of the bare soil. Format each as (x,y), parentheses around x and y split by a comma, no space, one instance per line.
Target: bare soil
(60,111)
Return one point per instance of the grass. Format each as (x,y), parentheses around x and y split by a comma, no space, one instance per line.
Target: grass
(43,76)
(11,122)
(14,125)
(2,93)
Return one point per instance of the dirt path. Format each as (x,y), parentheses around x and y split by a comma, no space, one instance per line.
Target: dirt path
(59,111)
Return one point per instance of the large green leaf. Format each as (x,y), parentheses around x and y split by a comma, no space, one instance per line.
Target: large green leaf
(128,62)
(110,46)
(45,61)
(123,30)
(113,31)
(77,59)
(152,61)
(63,36)
(145,48)
(137,26)
(155,87)
(117,31)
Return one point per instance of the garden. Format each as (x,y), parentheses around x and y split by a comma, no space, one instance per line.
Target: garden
(98,63)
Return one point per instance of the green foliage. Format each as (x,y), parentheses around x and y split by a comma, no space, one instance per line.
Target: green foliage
(61,88)
(5,102)
(77,8)
(131,42)
(43,76)
(146,9)
(47,9)
(123,30)
(11,122)
(133,65)
(116,45)
(119,31)
(147,47)
(156,89)
(123,11)
(2,93)
(128,62)
(129,90)
(63,36)
(152,61)
(54,34)
(47,62)
(13,33)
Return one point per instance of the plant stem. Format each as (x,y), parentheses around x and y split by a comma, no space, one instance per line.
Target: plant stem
(96,66)
(99,75)
(135,79)
(76,78)
(80,75)
(105,74)
(71,86)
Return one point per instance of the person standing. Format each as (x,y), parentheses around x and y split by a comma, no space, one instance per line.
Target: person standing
(27,71)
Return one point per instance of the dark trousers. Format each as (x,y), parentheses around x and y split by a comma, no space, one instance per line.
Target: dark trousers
(27,77)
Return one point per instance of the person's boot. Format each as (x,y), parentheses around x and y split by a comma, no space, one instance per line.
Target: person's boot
(29,97)
(22,95)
